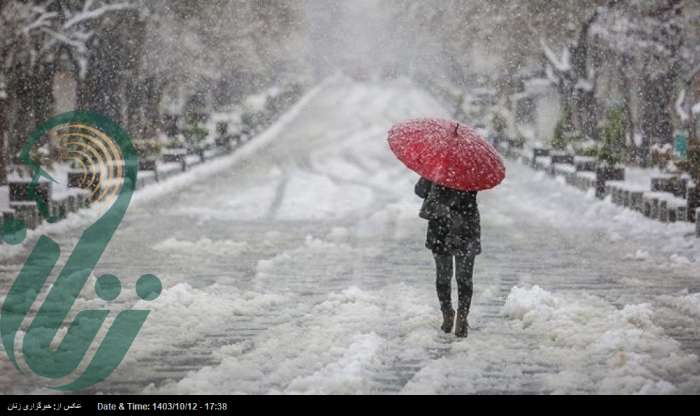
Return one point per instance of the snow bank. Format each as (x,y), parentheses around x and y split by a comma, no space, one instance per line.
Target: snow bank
(688,303)
(598,347)
(567,208)
(184,314)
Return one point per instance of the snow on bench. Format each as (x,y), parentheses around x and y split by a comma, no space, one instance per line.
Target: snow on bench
(567,171)
(542,162)
(61,192)
(193,160)
(168,169)
(145,177)
(212,153)
(642,176)
(585,180)
(627,186)
(664,206)
(585,163)
(564,168)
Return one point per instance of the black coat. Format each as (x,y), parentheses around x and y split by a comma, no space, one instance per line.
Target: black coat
(454,226)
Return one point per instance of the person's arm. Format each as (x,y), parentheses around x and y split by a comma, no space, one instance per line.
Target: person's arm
(422,188)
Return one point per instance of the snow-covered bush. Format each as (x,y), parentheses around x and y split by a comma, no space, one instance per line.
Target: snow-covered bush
(612,150)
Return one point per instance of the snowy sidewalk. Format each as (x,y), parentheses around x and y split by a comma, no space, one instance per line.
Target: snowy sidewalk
(302,270)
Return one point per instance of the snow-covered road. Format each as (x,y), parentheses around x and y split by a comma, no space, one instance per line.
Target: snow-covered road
(302,270)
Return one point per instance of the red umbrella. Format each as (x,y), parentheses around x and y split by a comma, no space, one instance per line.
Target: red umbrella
(447,153)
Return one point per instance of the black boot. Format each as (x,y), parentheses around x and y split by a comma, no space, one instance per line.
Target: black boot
(462,325)
(448,319)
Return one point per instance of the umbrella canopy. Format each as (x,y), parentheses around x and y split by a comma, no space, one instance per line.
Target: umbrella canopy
(447,153)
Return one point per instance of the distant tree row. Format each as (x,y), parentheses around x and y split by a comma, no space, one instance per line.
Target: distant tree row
(129,58)
(642,56)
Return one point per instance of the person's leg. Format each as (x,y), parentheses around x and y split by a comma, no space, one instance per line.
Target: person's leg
(443,281)
(464,271)
(443,284)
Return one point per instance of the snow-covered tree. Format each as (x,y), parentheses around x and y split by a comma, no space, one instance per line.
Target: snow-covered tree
(220,50)
(649,37)
(34,36)
(688,100)
(575,80)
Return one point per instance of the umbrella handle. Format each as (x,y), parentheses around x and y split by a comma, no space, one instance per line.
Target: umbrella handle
(454,133)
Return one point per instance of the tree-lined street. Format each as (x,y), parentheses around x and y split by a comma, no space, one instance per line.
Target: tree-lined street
(278,145)
(305,272)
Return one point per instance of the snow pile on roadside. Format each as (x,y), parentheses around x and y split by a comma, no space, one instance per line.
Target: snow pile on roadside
(598,347)
(687,303)
(531,302)
(567,208)
(183,314)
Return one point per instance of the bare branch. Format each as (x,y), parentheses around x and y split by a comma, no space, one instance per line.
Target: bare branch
(93,14)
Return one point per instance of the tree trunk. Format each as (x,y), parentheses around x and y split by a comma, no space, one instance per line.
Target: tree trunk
(42,92)
(583,98)
(4,165)
(105,84)
(567,109)
(657,122)
(20,87)
(101,88)
(627,100)
(586,117)
(135,101)
(154,96)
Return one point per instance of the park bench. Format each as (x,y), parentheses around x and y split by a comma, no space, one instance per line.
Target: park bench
(664,206)
(6,214)
(670,183)
(542,163)
(693,198)
(561,157)
(67,200)
(585,180)
(565,170)
(585,163)
(26,211)
(537,152)
(176,155)
(193,160)
(169,169)
(625,194)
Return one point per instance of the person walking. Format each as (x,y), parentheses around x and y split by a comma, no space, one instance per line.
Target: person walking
(454,163)
(454,237)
